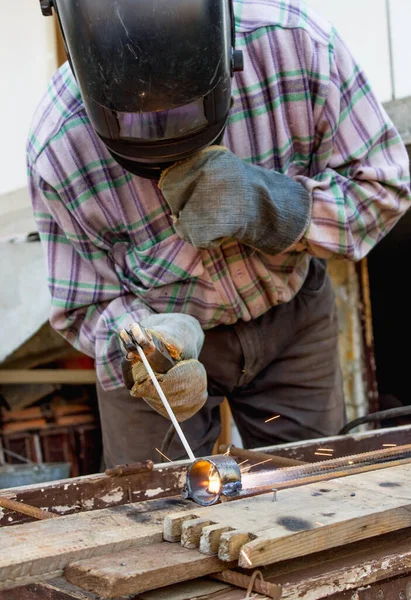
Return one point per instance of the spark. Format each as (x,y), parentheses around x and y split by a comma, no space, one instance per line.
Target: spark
(389,445)
(325,450)
(257,464)
(163,455)
(243,463)
(318,523)
(350,462)
(272,418)
(322,454)
(246,558)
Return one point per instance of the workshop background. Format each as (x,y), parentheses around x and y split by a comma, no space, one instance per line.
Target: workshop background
(47,398)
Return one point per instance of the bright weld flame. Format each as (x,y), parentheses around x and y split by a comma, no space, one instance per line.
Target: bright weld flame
(214,482)
(246,558)
(272,418)
(163,455)
(389,445)
(350,462)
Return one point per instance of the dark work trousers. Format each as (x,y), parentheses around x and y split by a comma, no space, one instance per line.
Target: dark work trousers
(284,363)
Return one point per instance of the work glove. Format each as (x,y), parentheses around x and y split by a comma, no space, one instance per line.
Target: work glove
(185,384)
(215,195)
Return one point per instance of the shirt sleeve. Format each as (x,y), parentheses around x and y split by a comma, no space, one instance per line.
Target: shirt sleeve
(89,305)
(360,185)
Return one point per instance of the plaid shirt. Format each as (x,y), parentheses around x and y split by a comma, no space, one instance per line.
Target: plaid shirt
(302,106)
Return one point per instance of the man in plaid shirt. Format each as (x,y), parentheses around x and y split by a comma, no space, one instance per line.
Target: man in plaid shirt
(265,172)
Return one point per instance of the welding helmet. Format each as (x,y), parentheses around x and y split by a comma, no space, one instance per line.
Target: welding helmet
(154,75)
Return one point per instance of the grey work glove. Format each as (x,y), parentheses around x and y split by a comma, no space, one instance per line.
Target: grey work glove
(185,384)
(215,195)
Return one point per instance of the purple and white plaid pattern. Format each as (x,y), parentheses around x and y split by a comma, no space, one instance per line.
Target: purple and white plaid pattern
(302,106)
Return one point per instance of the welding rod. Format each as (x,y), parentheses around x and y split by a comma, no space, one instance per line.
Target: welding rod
(166,404)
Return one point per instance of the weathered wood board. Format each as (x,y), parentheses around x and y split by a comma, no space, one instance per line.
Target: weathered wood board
(312,577)
(142,569)
(304,520)
(364,567)
(42,549)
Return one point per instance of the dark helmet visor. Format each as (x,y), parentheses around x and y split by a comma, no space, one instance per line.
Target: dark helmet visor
(163,124)
(154,75)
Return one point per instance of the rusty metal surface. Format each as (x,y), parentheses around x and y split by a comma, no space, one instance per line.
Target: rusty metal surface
(96,492)
(26,509)
(392,589)
(99,491)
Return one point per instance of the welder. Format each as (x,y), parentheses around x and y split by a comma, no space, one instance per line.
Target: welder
(192,168)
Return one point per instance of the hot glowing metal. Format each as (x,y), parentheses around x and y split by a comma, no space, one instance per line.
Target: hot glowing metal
(208,479)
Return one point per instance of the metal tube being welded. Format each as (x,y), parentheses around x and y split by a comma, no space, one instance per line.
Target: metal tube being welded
(208,479)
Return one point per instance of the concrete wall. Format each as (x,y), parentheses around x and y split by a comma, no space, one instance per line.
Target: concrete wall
(27,61)
(377,31)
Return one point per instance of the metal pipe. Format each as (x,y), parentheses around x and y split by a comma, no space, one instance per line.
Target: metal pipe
(209,479)
(260,482)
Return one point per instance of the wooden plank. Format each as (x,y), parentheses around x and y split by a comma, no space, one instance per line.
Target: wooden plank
(41,550)
(57,589)
(366,567)
(140,570)
(307,519)
(190,536)
(62,376)
(94,492)
(210,538)
(203,589)
(358,507)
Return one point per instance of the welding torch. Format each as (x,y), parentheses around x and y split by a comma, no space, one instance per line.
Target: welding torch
(156,359)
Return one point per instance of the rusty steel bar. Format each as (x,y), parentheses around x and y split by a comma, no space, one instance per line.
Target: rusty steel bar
(278,461)
(26,509)
(251,584)
(133,469)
